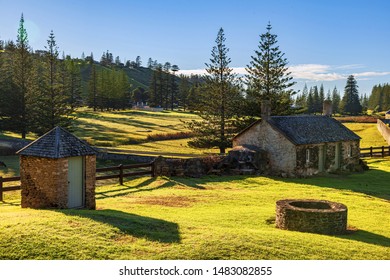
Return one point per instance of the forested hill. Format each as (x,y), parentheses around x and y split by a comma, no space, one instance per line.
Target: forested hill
(138,76)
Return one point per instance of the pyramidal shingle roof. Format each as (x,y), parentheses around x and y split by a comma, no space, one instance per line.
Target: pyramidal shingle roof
(57,143)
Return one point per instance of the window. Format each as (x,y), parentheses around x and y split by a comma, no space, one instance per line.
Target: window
(349,150)
(307,155)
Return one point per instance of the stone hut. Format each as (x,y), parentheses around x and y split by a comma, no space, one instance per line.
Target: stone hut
(303,145)
(58,171)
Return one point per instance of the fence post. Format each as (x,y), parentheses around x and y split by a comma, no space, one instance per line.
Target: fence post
(152,166)
(121,174)
(383,151)
(371,151)
(1,188)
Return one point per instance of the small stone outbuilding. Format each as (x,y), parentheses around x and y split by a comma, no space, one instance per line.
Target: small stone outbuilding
(303,145)
(58,170)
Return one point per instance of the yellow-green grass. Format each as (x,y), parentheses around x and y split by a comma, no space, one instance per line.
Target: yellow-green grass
(206,218)
(125,127)
(369,133)
(129,129)
(168,146)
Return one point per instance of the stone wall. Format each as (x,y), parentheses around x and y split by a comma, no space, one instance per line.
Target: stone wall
(350,162)
(192,167)
(330,162)
(44,182)
(315,216)
(281,152)
(90,182)
(384,130)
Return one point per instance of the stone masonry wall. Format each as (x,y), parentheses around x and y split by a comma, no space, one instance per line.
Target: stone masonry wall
(90,182)
(281,152)
(384,130)
(44,182)
(192,167)
(325,220)
(350,162)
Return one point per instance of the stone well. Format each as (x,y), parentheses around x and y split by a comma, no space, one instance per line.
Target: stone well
(308,215)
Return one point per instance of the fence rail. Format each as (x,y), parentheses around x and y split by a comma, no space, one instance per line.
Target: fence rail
(7,189)
(375,151)
(121,175)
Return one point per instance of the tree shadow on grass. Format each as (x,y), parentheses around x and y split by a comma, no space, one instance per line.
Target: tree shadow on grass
(138,226)
(354,234)
(366,237)
(373,183)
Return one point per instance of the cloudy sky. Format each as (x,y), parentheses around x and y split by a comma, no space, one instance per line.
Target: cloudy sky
(324,41)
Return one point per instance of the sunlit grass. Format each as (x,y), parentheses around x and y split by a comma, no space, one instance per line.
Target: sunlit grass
(206,218)
(369,133)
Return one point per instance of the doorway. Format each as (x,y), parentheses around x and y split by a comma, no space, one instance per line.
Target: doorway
(76,182)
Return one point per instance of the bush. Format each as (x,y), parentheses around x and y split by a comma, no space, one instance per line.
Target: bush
(170,136)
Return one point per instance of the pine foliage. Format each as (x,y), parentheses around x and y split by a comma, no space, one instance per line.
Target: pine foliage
(268,76)
(220,98)
(350,103)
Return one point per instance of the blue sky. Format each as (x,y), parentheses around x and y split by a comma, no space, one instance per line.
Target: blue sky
(324,41)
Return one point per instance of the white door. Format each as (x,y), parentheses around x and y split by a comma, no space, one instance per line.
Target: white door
(75,182)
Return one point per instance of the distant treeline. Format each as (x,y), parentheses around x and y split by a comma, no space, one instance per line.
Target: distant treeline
(311,100)
(379,99)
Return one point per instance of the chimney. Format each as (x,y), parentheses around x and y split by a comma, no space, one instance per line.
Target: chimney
(265,109)
(327,108)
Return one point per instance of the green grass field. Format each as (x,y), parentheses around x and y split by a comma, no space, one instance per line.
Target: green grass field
(208,218)
(183,218)
(369,133)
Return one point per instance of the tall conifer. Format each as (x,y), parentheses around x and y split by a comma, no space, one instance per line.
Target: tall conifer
(220,97)
(268,77)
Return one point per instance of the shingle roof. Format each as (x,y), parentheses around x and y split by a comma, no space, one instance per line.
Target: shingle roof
(308,129)
(57,143)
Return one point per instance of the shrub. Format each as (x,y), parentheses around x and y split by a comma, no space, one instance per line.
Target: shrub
(170,136)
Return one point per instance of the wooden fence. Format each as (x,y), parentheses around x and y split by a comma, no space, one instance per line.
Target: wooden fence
(122,173)
(375,151)
(7,189)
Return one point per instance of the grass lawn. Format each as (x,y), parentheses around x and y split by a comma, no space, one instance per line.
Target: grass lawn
(207,218)
(369,133)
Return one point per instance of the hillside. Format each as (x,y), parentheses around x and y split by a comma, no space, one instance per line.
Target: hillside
(138,77)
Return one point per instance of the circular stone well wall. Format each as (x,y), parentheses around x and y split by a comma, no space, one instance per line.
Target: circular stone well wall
(308,215)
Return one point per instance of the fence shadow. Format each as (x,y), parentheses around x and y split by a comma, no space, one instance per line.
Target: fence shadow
(146,186)
(131,224)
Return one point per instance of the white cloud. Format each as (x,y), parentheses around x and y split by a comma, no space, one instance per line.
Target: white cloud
(315,72)
(192,72)
(311,72)
(371,74)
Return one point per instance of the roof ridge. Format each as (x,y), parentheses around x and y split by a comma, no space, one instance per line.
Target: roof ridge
(57,143)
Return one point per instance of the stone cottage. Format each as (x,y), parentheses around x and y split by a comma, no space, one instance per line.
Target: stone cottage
(58,171)
(302,145)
